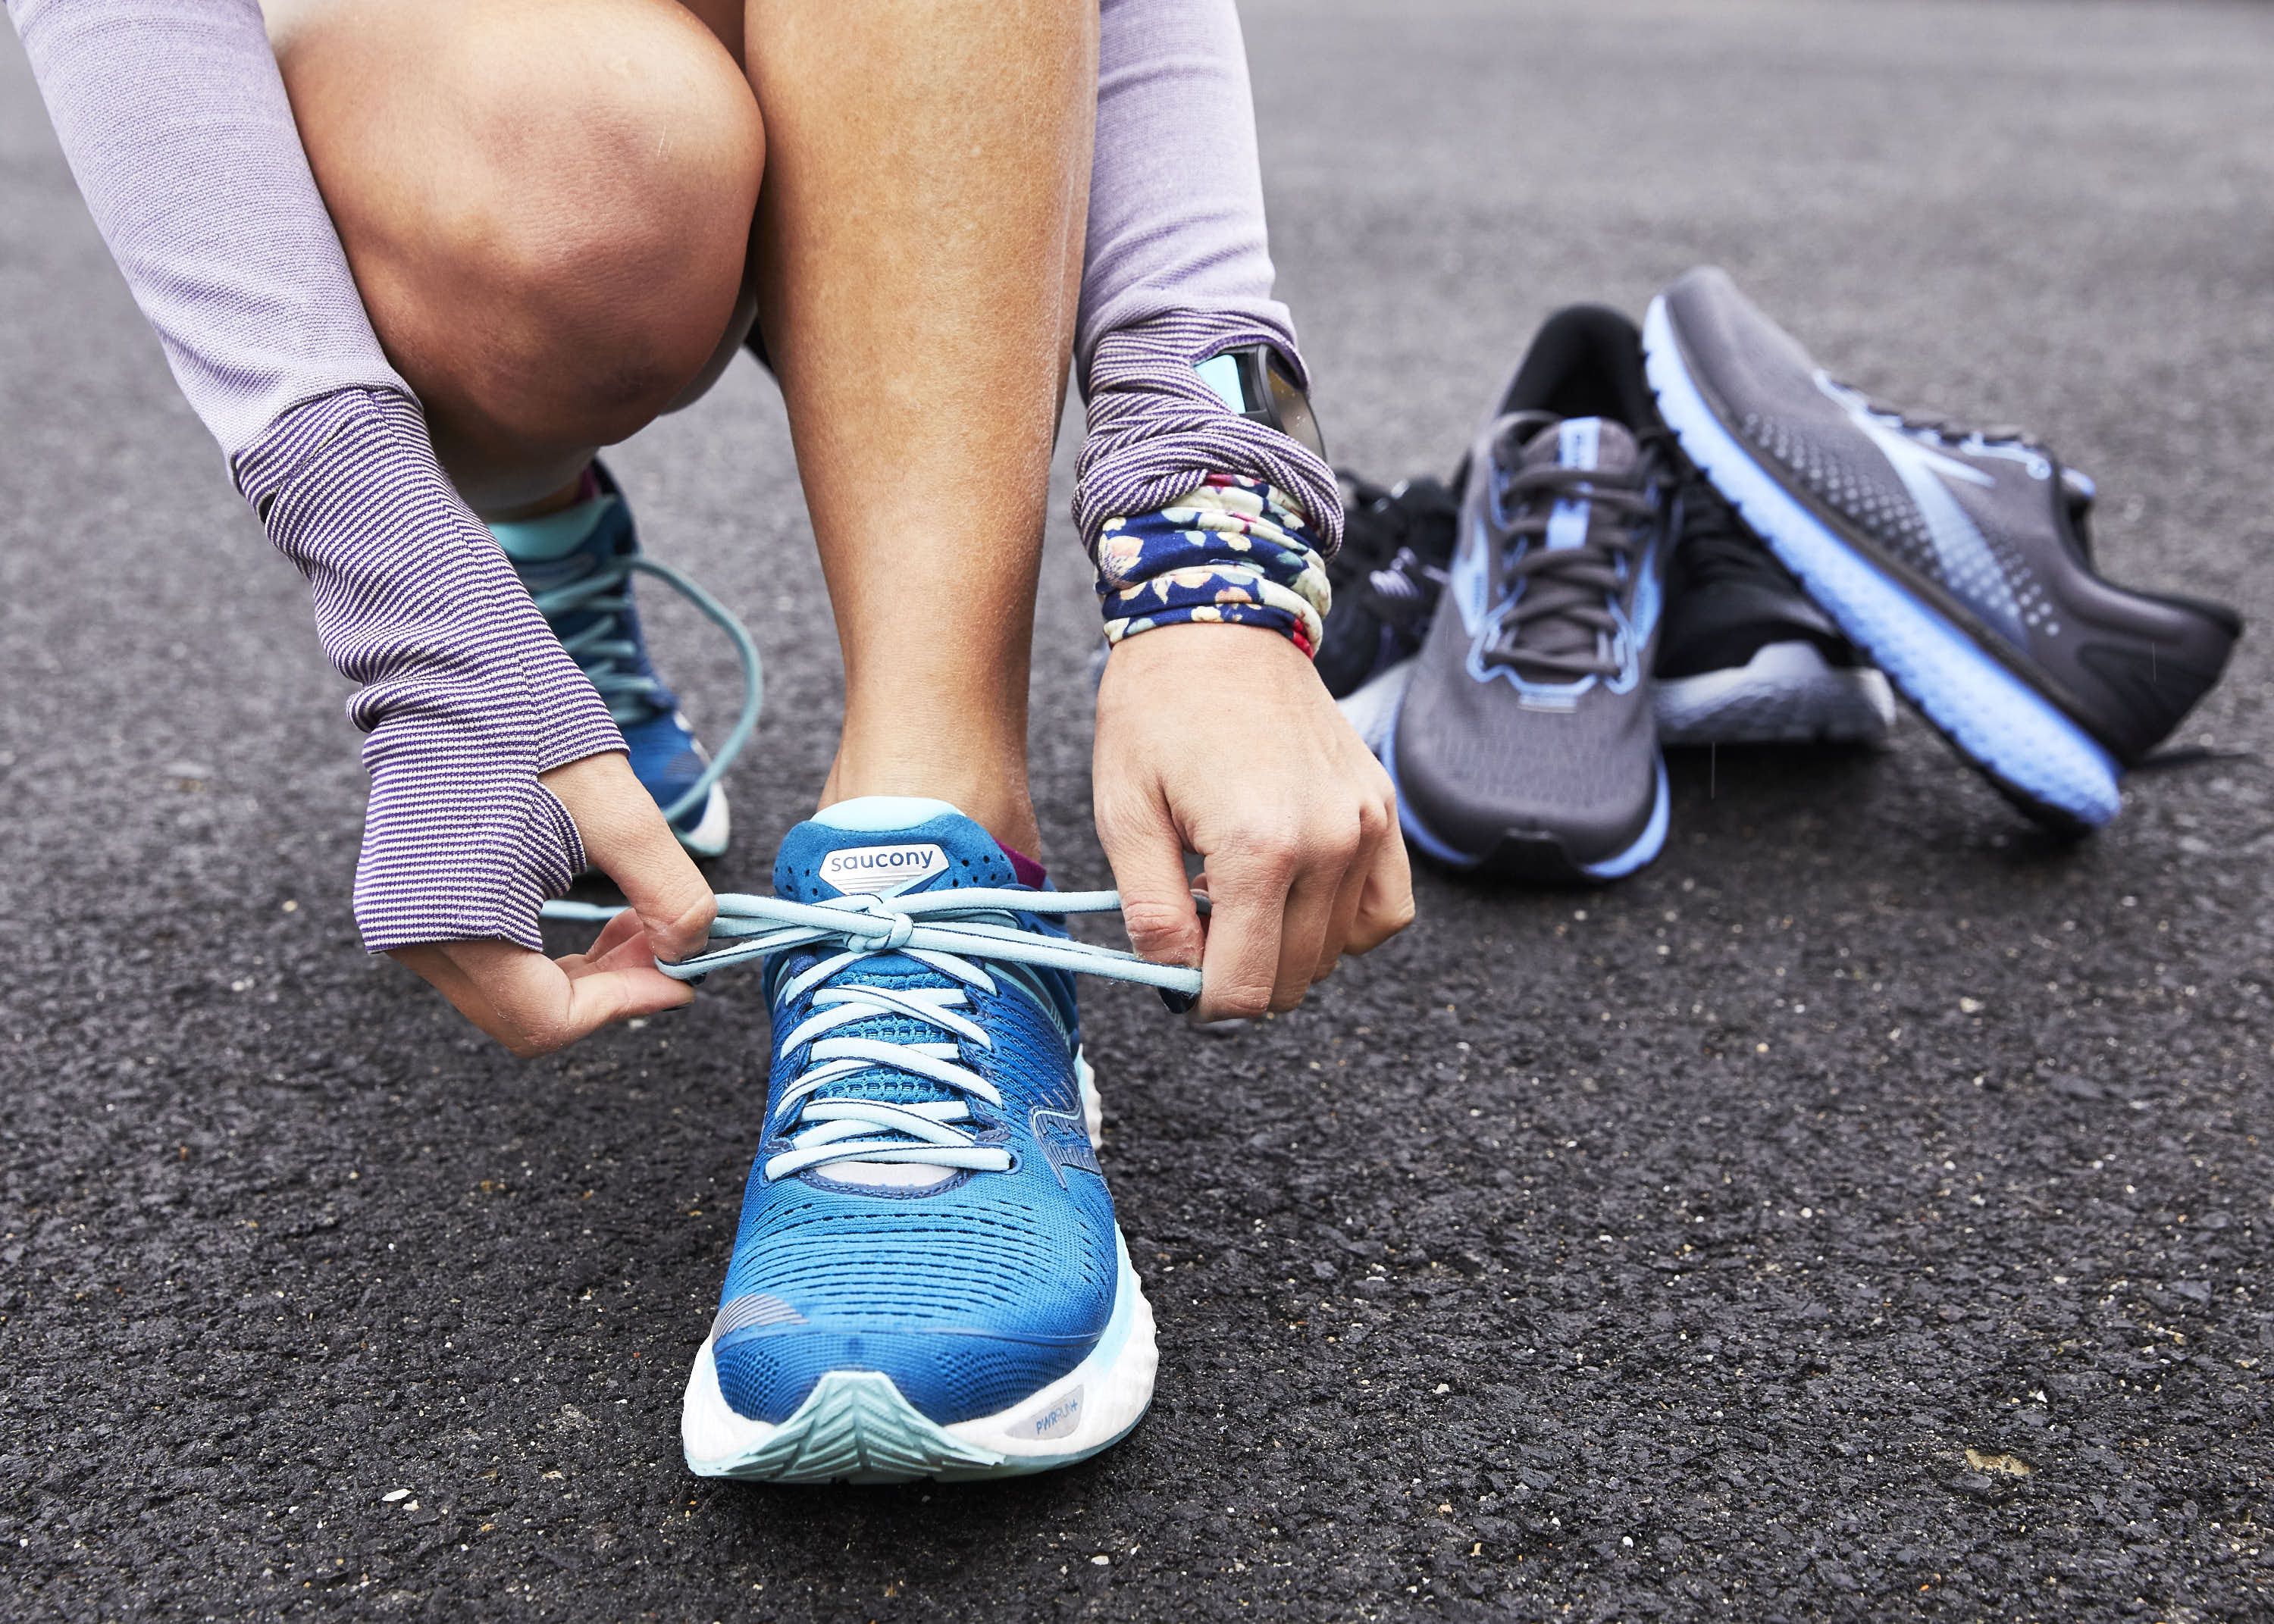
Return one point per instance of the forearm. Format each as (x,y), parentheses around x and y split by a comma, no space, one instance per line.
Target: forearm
(1175,199)
(174,120)
(1191,510)
(176,128)
(466,694)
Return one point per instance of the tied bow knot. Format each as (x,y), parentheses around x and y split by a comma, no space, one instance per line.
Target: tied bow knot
(881,927)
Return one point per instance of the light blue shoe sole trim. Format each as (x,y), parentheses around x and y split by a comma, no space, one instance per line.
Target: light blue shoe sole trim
(1992,716)
(1647,845)
(1646,848)
(856,1427)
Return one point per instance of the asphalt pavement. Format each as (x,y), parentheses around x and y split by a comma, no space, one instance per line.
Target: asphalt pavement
(1859,1214)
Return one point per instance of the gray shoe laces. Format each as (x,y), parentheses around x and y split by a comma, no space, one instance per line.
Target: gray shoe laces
(1559,624)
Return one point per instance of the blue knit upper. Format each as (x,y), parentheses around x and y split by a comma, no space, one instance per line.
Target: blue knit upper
(970,1288)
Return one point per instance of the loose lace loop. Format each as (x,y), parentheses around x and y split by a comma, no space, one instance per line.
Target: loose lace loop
(603,653)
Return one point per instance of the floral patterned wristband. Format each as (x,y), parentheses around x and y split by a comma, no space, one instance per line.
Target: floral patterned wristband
(1234,551)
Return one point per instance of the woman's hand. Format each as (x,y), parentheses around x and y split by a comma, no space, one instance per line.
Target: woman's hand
(1221,740)
(533,1005)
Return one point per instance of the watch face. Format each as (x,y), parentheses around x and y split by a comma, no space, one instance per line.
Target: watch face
(1223,375)
(1258,385)
(1291,408)
(1254,382)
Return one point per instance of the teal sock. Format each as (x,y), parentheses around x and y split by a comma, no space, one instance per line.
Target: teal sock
(553,535)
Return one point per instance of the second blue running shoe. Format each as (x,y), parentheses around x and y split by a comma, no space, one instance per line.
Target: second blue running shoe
(1955,559)
(577,564)
(928,1281)
(1523,742)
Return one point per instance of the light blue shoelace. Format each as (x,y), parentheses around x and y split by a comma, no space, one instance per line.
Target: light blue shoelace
(951,932)
(609,657)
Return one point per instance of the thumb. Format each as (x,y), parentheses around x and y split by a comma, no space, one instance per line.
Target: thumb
(1148,856)
(626,839)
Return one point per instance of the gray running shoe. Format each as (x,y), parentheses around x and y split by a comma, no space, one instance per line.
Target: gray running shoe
(1524,743)
(1955,559)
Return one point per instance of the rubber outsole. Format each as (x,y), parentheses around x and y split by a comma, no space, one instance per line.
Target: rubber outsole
(2024,745)
(1537,857)
(855,1426)
(1786,693)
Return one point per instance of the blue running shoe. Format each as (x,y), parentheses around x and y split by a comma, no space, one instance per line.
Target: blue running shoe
(1956,559)
(928,1281)
(1523,742)
(577,565)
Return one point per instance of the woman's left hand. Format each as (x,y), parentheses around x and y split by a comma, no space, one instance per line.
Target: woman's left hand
(1221,740)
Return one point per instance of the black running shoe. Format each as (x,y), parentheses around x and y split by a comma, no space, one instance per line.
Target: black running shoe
(1523,742)
(1396,545)
(1745,657)
(1956,559)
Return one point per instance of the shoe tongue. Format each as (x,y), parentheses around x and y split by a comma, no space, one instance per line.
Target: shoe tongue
(1592,443)
(887,846)
(1581,442)
(882,846)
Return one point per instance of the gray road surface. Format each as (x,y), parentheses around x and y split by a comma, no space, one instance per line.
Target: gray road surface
(1863,1212)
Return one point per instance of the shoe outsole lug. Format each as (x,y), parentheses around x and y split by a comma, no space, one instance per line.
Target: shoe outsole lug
(2028,748)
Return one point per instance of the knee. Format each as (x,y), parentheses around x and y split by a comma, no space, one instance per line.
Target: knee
(582,253)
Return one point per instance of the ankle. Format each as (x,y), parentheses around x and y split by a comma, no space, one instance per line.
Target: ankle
(582,488)
(997,801)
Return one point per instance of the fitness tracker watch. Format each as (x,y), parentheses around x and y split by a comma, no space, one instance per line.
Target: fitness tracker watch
(1254,382)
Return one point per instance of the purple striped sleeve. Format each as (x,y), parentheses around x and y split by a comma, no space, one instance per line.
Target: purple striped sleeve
(1179,269)
(1190,511)
(466,694)
(1156,431)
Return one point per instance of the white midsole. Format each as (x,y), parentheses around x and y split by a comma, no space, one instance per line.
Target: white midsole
(1374,705)
(1788,692)
(712,831)
(1079,1414)
(1093,1103)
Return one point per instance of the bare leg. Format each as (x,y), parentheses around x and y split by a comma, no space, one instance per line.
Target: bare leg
(546,204)
(547,208)
(919,249)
